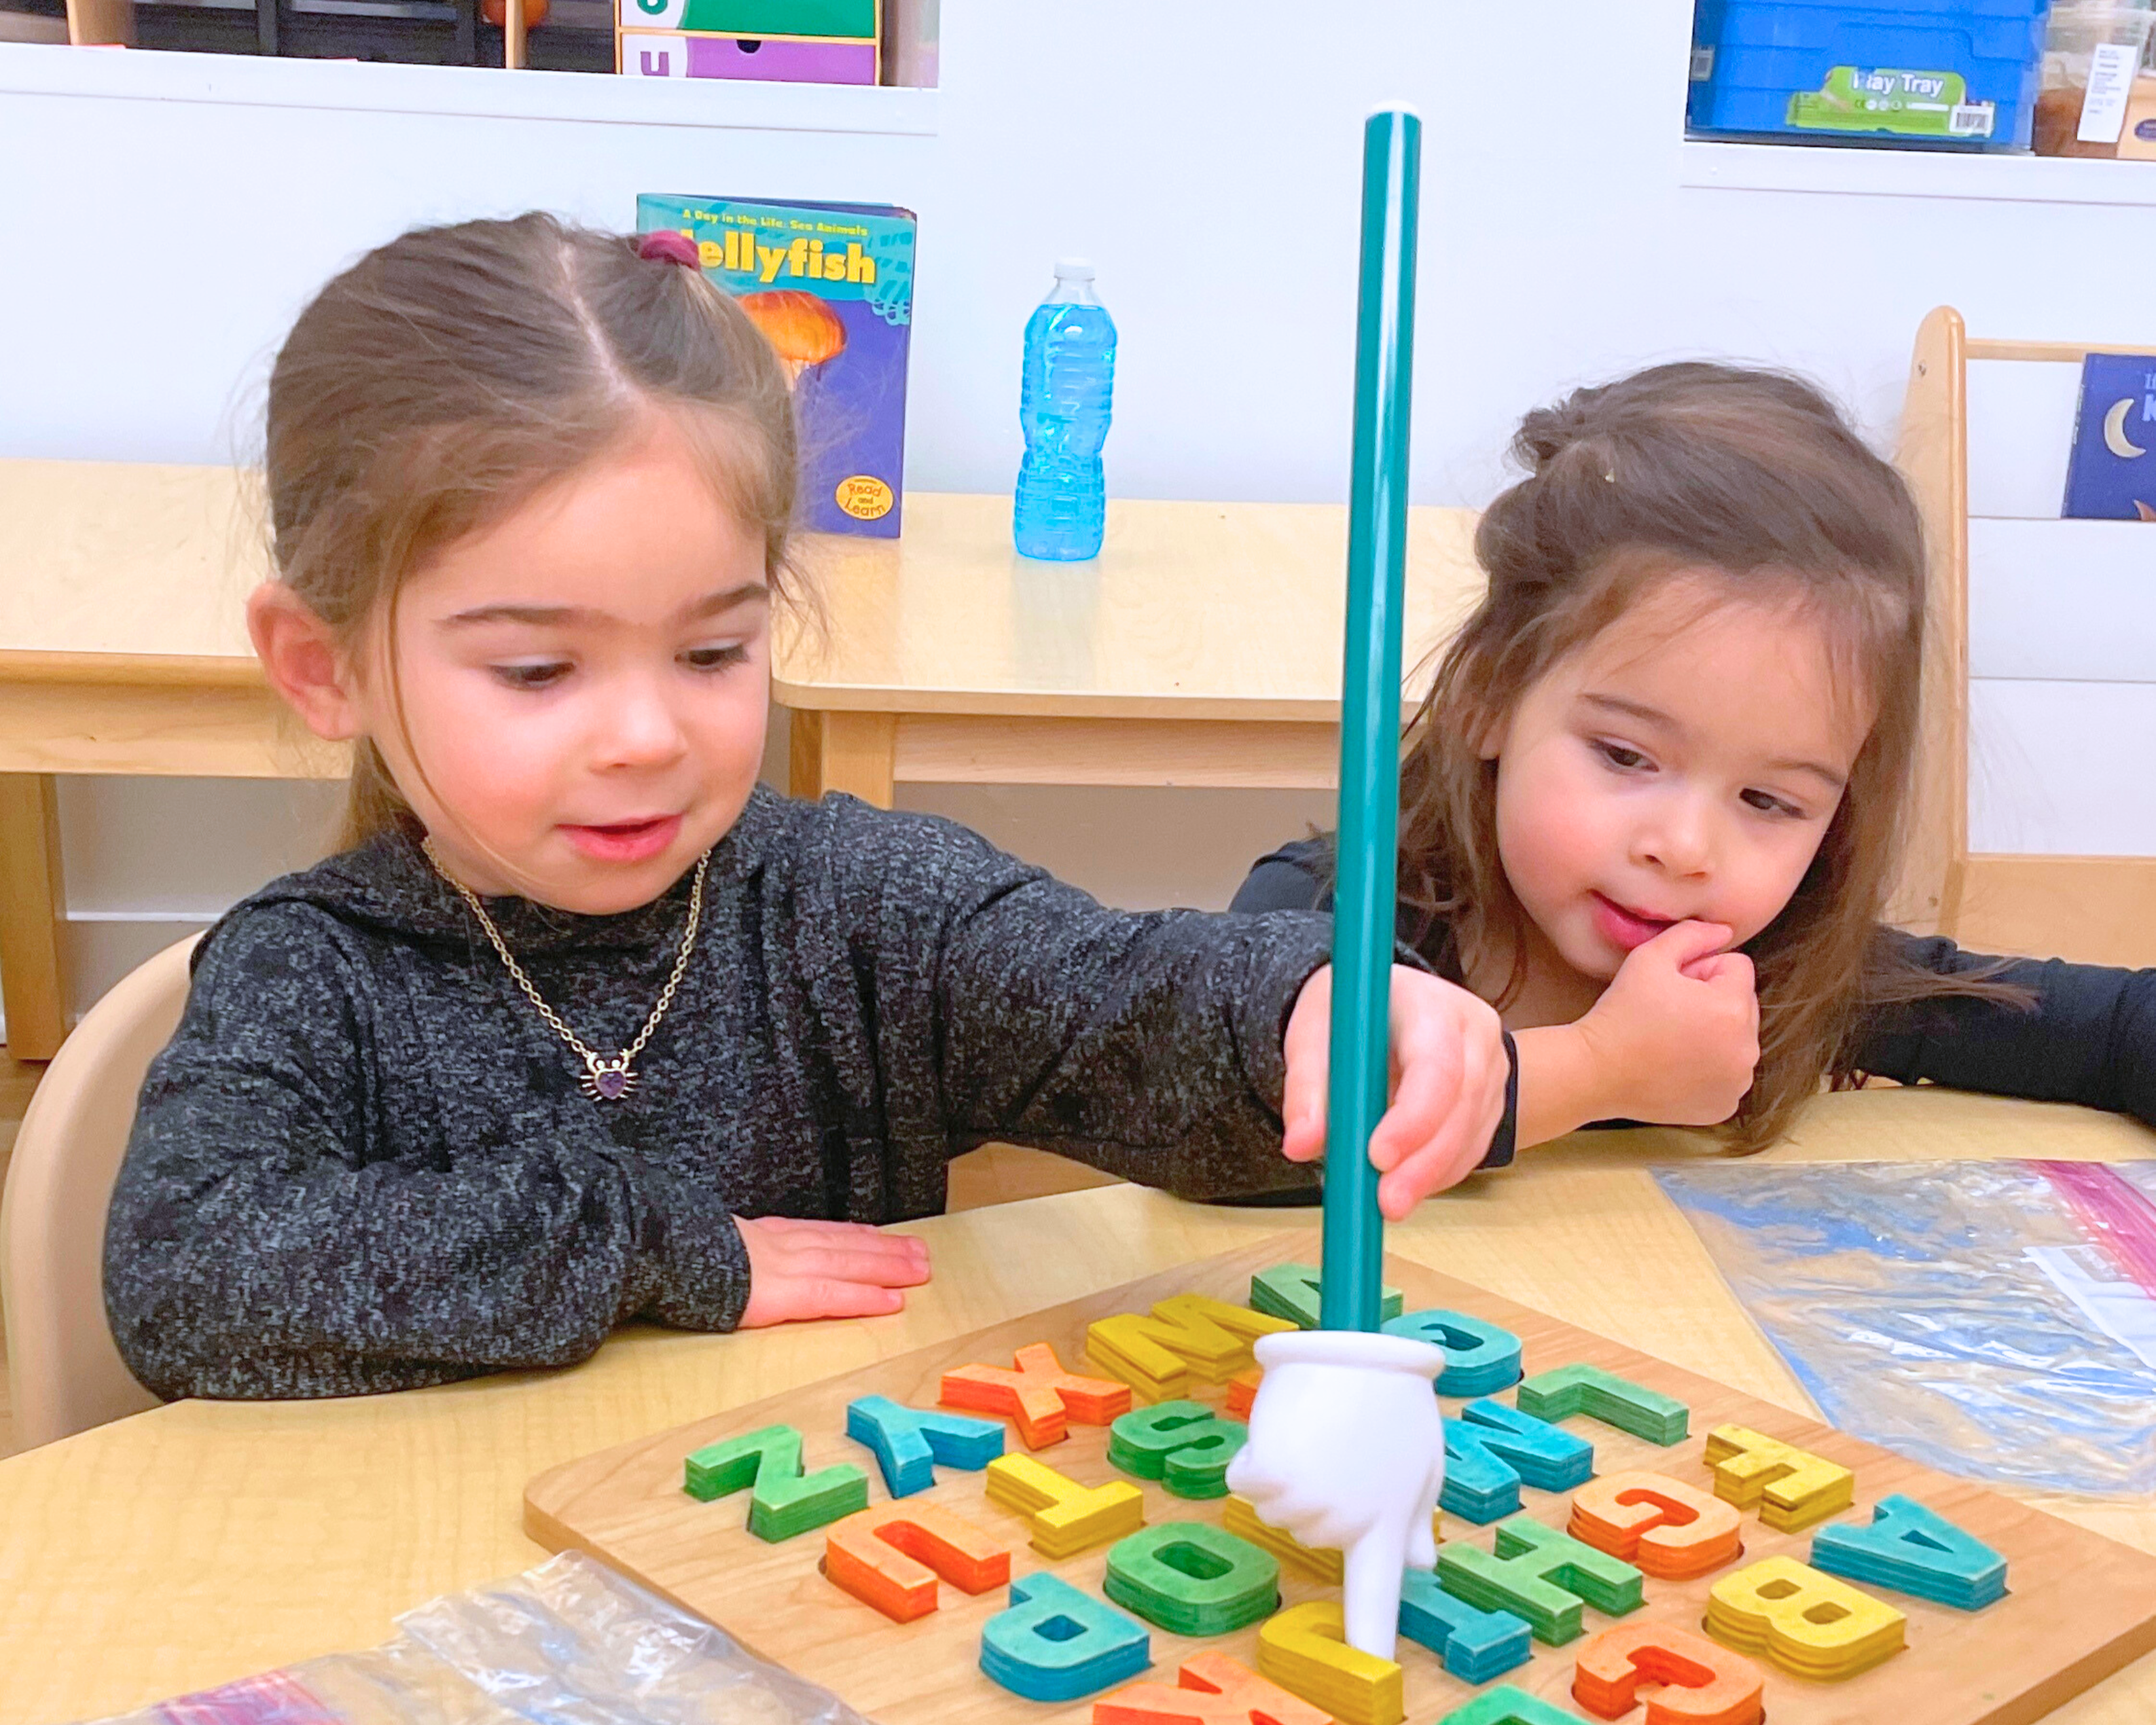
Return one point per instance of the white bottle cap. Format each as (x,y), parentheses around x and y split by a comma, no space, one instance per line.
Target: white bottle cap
(1074,268)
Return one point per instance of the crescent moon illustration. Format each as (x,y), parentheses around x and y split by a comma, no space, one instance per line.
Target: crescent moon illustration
(2114,431)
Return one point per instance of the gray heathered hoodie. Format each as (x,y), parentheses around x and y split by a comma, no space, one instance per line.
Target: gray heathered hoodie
(364,1163)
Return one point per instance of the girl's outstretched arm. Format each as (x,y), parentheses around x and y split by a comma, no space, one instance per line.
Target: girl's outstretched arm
(259,1245)
(2088,1035)
(1148,1044)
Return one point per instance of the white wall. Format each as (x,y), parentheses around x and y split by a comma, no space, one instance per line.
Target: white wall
(1204,153)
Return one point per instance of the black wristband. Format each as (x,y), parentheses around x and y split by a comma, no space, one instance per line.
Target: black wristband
(1504,1142)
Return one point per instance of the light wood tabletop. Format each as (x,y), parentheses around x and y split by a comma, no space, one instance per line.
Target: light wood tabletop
(128,559)
(201,1542)
(1202,647)
(123,649)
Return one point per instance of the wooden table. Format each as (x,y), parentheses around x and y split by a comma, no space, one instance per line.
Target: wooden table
(1202,647)
(194,1544)
(123,649)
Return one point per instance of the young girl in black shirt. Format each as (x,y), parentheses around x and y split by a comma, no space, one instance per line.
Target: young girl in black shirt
(1651,804)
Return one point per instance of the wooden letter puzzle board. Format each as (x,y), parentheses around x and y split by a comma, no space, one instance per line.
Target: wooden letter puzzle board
(2078,1607)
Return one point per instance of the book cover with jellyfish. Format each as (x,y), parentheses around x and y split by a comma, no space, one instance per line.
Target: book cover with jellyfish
(831,285)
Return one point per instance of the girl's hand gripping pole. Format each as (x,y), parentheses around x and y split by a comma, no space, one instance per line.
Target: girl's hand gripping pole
(1346,1449)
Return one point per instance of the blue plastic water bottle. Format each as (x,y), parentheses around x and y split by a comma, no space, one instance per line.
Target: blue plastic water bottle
(1062,503)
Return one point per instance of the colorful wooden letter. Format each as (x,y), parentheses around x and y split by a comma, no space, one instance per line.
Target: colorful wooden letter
(1214,1689)
(1507,1705)
(1290,1291)
(1243,1392)
(1480,1358)
(1241,1520)
(1913,1550)
(1187,1335)
(1702,1684)
(1603,1395)
(1474,1644)
(781,1501)
(1065,1516)
(1805,1622)
(1184,1444)
(1793,1487)
(1546,1456)
(1038,1394)
(1304,1650)
(1542,1575)
(1193,1580)
(1671,1530)
(908,1442)
(1056,1643)
(891,1555)
(1479,1487)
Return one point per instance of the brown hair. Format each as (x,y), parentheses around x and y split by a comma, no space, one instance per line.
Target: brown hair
(439,381)
(1683,469)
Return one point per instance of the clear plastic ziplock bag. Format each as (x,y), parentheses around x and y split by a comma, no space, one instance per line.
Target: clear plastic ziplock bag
(568,1643)
(1992,1319)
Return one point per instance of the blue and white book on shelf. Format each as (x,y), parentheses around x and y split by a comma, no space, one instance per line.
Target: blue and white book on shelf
(2111,474)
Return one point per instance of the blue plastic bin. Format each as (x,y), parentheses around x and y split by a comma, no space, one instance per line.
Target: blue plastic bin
(1763,68)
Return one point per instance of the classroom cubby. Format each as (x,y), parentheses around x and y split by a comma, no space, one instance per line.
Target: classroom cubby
(815,42)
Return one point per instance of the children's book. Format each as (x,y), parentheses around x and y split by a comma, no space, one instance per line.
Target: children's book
(2111,474)
(831,285)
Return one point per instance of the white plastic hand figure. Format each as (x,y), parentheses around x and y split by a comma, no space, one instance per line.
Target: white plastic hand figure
(1347,1452)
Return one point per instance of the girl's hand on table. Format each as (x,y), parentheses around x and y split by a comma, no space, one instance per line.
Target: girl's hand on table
(800,1270)
(1676,1035)
(1447,1086)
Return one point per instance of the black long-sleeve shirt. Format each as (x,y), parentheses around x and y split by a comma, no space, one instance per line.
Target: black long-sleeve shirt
(2089,1036)
(365,1163)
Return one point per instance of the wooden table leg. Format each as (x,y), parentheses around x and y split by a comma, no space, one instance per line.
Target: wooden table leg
(843,751)
(32,902)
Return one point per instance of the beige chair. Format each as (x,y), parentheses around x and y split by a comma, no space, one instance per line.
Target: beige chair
(64,1375)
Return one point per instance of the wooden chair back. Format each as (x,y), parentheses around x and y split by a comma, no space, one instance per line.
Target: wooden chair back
(65,1374)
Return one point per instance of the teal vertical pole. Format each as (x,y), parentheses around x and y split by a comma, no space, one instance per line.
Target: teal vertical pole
(1370,722)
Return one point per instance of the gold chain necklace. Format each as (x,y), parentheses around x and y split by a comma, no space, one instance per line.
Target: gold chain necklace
(606,1078)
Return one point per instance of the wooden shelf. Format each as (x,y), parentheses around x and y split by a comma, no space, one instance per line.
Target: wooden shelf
(2090,909)
(245,80)
(1913,173)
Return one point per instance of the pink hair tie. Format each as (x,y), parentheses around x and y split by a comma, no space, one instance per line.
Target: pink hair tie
(668,246)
